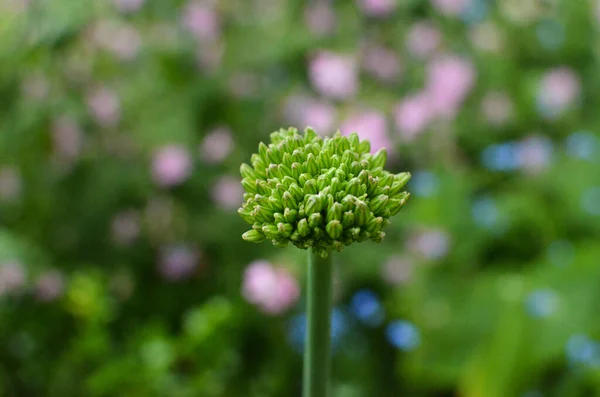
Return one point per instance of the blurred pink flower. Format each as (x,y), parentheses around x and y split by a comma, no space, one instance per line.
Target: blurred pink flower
(558,89)
(397,270)
(178,262)
(431,244)
(320,18)
(122,40)
(227,193)
(449,81)
(125,227)
(273,290)
(309,112)
(371,125)
(67,139)
(35,87)
(202,21)
(105,107)
(423,39)
(412,115)
(382,63)
(450,7)
(334,75)
(171,165)
(377,8)
(497,108)
(129,6)
(10,183)
(535,153)
(49,286)
(216,146)
(12,277)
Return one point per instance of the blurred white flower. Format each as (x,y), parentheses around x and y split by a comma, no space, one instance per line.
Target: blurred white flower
(497,108)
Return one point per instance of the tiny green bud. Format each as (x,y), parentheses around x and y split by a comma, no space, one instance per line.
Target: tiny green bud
(311,165)
(262,151)
(364,147)
(253,236)
(246,215)
(348,219)
(249,185)
(353,186)
(285,229)
(304,178)
(334,229)
(361,213)
(290,215)
(287,159)
(315,220)
(310,187)
(296,191)
(289,201)
(379,158)
(248,172)
(303,228)
(271,231)
(313,204)
(296,170)
(374,225)
(378,203)
(278,217)
(335,212)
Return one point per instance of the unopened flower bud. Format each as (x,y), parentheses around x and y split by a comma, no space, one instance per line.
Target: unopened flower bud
(334,229)
(253,236)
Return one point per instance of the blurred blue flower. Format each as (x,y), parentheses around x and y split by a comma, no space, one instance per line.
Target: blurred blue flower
(485,212)
(297,330)
(339,327)
(590,200)
(550,34)
(366,308)
(424,184)
(560,253)
(580,349)
(501,157)
(583,145)
(475,11)
(403,335)
(541,303)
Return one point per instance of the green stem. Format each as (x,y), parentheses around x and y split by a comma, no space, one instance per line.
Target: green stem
(317,346)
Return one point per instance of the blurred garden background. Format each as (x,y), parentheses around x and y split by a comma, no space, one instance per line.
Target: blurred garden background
(123,124)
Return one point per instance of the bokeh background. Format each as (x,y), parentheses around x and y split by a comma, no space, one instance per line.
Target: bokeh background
(122,127)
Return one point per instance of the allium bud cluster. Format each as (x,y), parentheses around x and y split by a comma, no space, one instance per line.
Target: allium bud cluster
(323,193)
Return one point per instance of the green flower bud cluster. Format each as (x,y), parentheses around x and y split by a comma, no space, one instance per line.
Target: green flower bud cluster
(323,193)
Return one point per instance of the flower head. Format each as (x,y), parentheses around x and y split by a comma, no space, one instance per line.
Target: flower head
(323,193)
